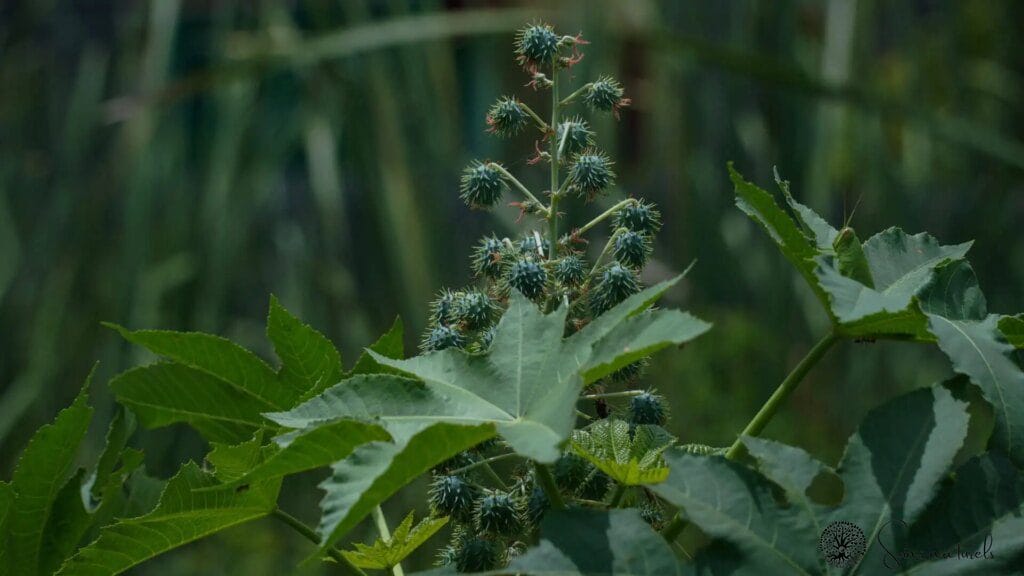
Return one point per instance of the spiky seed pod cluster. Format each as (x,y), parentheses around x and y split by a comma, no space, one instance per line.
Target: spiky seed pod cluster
(475,310)
(617,282)
(632,248)
(469,552)
(570,270)
(506,117)
(528,277)
(652,513)
(528,245)
(647,408)
(443,307)
(442,337)
(576,135)
(536,45)
(536,505)
(591,173)
(639,216)
(499,514)
(482,185)
(487,257)
(605,95)
(453,496)
(630,372)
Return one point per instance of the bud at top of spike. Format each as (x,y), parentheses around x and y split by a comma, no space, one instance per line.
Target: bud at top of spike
(606,95)
(482,185)
(639,216)
(577,136)
(506,117)
(536,45)
(591,173)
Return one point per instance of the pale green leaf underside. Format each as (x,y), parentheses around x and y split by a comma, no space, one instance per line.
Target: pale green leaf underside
(185,514)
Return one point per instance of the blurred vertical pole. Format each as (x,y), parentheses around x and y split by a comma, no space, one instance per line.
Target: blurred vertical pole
(837,52)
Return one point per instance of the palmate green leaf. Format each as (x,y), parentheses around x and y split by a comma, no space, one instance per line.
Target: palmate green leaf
(406,539)
(220,388)
(185,513)
(891,471)
(41,472)
(390,344)
(528,383)
(630,460)
(1012,328)
(583,542)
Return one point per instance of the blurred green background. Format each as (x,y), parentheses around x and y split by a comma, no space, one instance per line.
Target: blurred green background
(170,163)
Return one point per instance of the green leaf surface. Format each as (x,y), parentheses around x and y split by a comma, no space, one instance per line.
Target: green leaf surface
(1012,328)
(382,555)
(309,361)
(902,266)
(977,350)
(377,470)
(527,385)
(580,542)
(167,393)
(892,469)
(185,514)
(40,475)
(823,234)
(630,460)
(978,512)
(390,345)
(232,461)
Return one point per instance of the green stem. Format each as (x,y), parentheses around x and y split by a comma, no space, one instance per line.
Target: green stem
(494,476)
(310,535)
(553,209)
(607,249)
(609,212)
(540,123)
(767,412)
(573,96)
(673,529)
(620,491)
(547,482)
(626,394)
(519,185)
(385,535)
(486,462)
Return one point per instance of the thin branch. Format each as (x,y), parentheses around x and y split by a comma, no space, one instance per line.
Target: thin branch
(540,123)
(573,96)
(311,535)
(626,394)
(609,212)
(518,185)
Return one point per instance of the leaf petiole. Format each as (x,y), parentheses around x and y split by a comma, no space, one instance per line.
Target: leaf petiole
(307,532)
(518,185)
(385,535)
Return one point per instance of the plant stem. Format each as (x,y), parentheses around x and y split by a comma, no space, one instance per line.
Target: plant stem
(547,482)
(586,227)
(626,394)
(519,185)
(573,96)
(553,208)
(482,463)
(310,535)
(607,249)
(765,414)
(385,535)
(620,491)
(494,475)
(672,530)
(540,123)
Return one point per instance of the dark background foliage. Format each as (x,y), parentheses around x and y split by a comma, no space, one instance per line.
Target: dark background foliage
(170,163)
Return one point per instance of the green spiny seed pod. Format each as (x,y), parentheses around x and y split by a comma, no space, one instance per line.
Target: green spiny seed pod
(499,514)
(591,173)
(536,505)
(474,310)
(482,185)
(570,270)
(506,117)
(442,337)
(453,496)
(442,309)
(596,485)
(605,95)
(617,283)
(629,372)
(570,471)
(483,343)
(653,514)
(640,216)
(647,408)
(577,136)
(528,277)
(486,259)
(476,554)
(536,45)
(528,245)
(632,248)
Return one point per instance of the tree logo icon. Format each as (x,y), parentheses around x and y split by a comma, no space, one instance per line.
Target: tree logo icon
(842,544)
